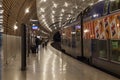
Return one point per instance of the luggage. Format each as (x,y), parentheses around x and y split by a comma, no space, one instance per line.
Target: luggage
(33,49)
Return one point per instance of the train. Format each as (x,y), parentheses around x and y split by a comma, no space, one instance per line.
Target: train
(95,35)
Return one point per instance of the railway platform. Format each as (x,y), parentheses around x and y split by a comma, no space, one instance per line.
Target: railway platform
(51,64)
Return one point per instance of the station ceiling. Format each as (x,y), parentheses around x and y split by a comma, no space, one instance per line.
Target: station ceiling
(48,12)
(58,11)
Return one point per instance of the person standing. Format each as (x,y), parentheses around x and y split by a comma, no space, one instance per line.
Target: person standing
(37,42)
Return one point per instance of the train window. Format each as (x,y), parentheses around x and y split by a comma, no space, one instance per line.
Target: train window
(103,49)
(106,7)
(114,5)
(115,51)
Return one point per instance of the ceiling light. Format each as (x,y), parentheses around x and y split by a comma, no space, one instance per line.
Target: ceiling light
(1,20)
(52,16)
(60,24)
(60,18)
(100,0)
(27,10)
(43,0)
(53,21)
(50,29)
(55,5)
(44,20)
(15,26)
(1,11)
(91,4)
(76,6)
(63,10)
(61,14)
(71,12)
(55,28)
(112,0)
(69,15)
(43,16)
(66,4)
(33,20)
(42,9)
(53,12)
(0,5)
(45,23)
(68,18)
(83,0)
(1,16)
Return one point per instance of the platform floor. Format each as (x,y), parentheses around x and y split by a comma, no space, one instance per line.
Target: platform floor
(50,64)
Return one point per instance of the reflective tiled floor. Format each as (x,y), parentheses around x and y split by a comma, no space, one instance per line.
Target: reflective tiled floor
(50,64)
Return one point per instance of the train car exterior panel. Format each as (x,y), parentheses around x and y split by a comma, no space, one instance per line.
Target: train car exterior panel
(107,40)
(101,36)
(71,39)
(109,66)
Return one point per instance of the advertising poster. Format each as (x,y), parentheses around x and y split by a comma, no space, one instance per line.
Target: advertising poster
(113,27)
(97,30)
(85,30)
(106,27)
(102,29)
(92,31)
(118,24)
(89,32)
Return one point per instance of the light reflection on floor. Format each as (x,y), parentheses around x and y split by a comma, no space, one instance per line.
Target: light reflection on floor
(50,64)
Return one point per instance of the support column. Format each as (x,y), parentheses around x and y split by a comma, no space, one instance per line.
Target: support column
(82,49)
(23,47)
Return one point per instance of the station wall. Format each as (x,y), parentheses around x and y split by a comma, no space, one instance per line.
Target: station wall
(11,47)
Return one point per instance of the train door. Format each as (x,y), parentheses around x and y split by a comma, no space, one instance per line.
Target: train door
(107,52)
(115,51)
(100,49)
(73,41)
(102,30)
(78,40)
(67,40)
(88,36)
(115,37)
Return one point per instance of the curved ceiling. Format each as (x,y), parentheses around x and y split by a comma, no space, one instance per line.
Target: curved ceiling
(15,14)
(59,11)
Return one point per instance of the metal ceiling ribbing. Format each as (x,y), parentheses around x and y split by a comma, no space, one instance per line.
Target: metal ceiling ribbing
(52,11)
(14,11)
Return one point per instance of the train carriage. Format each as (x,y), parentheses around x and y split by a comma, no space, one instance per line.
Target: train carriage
(99,27)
